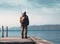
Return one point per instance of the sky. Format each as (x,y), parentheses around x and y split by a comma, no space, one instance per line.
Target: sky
(40,12)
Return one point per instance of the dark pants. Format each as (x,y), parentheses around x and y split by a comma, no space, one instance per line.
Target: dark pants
(24,31)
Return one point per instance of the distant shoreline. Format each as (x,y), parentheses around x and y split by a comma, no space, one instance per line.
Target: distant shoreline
(32,30)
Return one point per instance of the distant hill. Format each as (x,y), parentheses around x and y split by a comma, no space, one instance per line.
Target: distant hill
(45,27)
(40,27)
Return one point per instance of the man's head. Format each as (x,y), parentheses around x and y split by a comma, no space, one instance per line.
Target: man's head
(24,14)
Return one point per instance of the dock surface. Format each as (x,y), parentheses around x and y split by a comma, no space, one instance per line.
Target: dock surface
(18,40)
(14,39)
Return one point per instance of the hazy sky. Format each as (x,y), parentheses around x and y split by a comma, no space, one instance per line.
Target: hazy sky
(40,12)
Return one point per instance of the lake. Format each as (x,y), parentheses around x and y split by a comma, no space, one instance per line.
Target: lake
(52,35)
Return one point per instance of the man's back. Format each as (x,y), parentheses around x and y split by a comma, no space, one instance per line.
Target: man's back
(24,20)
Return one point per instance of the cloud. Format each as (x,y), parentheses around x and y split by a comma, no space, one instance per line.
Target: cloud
(14,4)
(39,11)
(48,3)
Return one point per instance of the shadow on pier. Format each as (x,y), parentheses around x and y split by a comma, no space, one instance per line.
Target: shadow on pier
(17,43)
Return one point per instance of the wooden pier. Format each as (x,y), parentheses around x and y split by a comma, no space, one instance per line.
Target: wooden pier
(18,40)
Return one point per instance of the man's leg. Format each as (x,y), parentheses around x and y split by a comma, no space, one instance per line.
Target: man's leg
(25,31)
(22,32)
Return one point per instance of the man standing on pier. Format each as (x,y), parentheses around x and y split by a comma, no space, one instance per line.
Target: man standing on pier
(24,20)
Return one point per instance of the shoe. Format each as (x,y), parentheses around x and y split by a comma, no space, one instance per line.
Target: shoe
(26,37)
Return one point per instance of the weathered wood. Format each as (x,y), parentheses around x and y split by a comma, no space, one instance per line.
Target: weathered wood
(15,40)
(2,31)
(40,41)
(18,40)
(6,31)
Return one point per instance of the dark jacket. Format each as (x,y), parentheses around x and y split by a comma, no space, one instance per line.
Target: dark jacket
(24,20)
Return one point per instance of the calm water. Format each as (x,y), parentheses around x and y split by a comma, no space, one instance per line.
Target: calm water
(53,36)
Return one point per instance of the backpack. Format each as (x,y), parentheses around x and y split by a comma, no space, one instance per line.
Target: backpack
(24,20)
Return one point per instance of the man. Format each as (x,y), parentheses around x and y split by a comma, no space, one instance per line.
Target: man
(24,20)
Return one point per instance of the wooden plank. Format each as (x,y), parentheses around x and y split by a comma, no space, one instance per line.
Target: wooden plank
(16,40)
(40,41)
